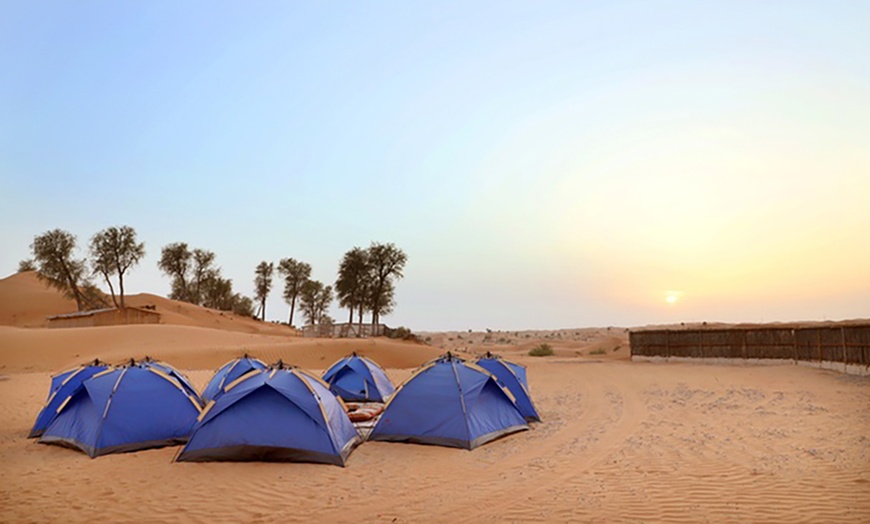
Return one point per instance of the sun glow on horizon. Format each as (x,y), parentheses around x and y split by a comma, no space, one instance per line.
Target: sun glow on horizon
(672,297)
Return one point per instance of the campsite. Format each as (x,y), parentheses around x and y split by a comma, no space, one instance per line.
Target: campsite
(618,440)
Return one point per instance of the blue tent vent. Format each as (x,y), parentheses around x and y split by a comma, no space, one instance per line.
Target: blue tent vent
(360,379)
(275,414)
(124,409)
(449,402)
(513,377)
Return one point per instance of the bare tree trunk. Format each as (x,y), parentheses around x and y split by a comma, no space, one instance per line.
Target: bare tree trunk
(292,307)
(120,288)
(111,288)
(73,286)
(263,310)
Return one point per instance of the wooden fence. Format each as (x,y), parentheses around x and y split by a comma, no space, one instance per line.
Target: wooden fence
(345,330)
(846,348)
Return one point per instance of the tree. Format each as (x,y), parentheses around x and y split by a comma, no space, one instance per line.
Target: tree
(191,271)
(295,275)
(243,305)
(114,251)
(354,277)
(314,299)
(324,299)
(262,285)
(175,262)
(26,265)
(203,273)
(386,263)
(56,265)
(216,292)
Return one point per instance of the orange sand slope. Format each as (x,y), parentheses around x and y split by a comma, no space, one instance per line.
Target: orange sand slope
(25,301)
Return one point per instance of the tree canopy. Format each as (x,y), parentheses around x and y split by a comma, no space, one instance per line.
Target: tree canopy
(386,264)
(57,265)
(353,284)
(263,284)
(114,251)
(314,299)
(197,280)
(295,274)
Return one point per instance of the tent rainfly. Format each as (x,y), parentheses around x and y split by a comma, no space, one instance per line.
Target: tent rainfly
(513,377)
(62,386)
(449,402)
(175,375)
(124,409)
(229,373)
(276,414)
(357,378)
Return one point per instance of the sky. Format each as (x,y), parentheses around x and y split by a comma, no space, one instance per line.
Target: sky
(543,164)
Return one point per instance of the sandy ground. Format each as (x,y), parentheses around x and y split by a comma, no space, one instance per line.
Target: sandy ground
(620,441)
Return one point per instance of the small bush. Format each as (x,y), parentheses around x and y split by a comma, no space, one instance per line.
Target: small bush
(599,351)
(544,350)
(401,333)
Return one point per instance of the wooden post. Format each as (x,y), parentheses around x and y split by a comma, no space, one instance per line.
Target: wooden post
(794,345)
(843,338)
(819,330)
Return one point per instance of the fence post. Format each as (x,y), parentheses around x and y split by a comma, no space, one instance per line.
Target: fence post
(794,345)
(819,330)
(843,338)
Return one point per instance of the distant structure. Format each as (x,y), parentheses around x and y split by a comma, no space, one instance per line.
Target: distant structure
(346,330)
(840,346)
(105,317)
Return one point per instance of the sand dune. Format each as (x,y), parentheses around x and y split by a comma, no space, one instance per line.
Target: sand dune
(620,441)
(25,301)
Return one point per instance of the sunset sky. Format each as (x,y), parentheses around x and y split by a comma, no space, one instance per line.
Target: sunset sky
(543,164)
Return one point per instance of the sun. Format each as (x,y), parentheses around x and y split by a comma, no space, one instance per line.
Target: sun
(672,297)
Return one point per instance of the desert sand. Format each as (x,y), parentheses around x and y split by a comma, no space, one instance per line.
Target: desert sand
(620,441)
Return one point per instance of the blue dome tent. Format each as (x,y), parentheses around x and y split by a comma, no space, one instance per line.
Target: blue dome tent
(229,373)
(357,378)
(63,385)
(513,377)
(449,402)
(124,409)
(275,414)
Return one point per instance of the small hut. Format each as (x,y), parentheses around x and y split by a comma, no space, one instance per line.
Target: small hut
(105,317)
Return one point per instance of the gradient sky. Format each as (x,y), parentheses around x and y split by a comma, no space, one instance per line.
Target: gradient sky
(543,164)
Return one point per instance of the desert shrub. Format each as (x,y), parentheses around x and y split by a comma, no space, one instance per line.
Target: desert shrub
(599,351)
(544,350)
(402,333)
